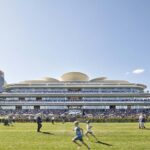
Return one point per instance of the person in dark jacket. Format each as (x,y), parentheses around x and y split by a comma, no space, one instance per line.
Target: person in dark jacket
(143,122)
(39,123)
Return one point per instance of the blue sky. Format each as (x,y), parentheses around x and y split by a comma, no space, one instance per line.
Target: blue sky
(100,38)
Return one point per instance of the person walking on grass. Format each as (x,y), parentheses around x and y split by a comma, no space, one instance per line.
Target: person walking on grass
(141,121)
(53,120)
(39,123)
(79,135)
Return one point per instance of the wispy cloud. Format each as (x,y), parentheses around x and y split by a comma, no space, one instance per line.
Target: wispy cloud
(138,71)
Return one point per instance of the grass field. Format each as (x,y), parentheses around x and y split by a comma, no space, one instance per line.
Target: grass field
(114,136)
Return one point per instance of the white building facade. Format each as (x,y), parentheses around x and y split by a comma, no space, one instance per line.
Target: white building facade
(74,90)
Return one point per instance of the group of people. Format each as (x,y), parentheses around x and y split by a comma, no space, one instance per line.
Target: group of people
(78,131)
(65,116)
(117,113)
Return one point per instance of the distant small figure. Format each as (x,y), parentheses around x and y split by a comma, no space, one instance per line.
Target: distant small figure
(62,118)
(79,135)
(7,121)
(39,123)
(53,119)
(29,118)
(13,119)
(89,131)
(141,122)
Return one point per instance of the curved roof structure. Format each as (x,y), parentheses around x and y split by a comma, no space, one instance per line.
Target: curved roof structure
(49,79)
(116,81)
(31,81)
(98,79)
(80,77)
(42,80)
(74,76)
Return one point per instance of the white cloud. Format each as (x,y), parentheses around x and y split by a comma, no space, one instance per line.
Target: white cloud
(138,71)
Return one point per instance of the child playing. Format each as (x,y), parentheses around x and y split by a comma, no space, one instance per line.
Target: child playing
(89,131)
(79,135)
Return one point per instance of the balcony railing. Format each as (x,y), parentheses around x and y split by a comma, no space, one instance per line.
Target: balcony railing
(76,102)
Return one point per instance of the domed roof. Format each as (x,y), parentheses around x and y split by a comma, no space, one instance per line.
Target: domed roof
(116,81)
(31,81)
(74,76)
(49,79)
(98,79)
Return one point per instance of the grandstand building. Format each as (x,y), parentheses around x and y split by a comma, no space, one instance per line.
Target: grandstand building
(74,90)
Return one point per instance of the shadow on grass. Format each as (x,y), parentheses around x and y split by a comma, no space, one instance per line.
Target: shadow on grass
(146,129)
(47,133)
(100,142)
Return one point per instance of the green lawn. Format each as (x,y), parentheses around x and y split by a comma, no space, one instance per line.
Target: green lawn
(122,136)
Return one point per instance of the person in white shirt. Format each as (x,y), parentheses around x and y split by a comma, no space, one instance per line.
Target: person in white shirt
(53,119)
(89,131)
(140,121)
